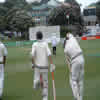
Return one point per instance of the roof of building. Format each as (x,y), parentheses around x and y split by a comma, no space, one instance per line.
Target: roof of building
(49,4)
(41,7)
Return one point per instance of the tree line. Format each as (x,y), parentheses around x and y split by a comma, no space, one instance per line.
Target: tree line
(15,16)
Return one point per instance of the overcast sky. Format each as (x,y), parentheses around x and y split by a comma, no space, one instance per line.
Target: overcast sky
(2,0)
(83,2)
(86,2)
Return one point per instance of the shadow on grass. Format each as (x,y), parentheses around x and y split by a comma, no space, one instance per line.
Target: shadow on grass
(12,97)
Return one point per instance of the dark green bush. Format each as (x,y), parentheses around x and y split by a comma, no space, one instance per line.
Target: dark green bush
(64,30)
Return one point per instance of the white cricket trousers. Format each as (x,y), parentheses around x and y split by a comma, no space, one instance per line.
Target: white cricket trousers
(77,77)
(1,79)
(38,73)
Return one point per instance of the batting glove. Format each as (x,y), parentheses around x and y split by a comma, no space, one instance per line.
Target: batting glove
(52,67)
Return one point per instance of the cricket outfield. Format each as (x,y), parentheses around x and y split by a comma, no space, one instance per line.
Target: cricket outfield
(19,74)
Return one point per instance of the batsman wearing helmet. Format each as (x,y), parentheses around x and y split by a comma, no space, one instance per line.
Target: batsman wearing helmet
(3,54)
(75,61)
(40,55)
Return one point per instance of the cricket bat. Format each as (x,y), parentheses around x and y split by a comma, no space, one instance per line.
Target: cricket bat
(53,84)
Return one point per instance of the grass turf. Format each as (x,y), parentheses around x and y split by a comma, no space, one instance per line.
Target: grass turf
(19,75)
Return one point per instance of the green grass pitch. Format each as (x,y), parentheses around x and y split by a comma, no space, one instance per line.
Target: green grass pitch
(19,75)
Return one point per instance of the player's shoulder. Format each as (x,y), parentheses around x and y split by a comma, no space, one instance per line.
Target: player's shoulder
(70,35)
(42,42)
(45,43)
(1,44)
(72,38)
(34,44)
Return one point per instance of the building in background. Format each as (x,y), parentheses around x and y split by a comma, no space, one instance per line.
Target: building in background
(41,12)
(90,18)
(53,12)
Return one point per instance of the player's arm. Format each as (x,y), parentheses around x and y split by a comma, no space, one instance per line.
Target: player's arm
(68,63)
(67,59)
(52,66)
(49,54)
(33,64)
(4,60)
(50,59)
(5,54)
(33,54)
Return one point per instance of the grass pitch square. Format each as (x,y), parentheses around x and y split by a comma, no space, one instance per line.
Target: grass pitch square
(19,75)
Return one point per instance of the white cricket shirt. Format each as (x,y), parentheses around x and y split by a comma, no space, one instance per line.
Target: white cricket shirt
(40,53)
(54,42)
(3,51)
(72,47)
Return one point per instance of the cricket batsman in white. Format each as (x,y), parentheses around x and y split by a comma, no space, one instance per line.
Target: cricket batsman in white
(75,61)
(40,55)
(3,54)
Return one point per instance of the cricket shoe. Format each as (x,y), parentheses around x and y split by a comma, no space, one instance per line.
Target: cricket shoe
(0,98)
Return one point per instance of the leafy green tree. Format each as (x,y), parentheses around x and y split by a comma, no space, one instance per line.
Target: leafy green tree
(72,2)
(16,16)
(68,14)
(65,15)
